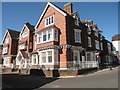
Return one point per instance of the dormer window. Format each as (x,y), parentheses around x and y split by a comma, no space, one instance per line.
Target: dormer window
(77,21)
(49,20)
(96,33)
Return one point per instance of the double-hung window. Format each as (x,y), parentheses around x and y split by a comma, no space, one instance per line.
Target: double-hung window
(49,53)
(43,57)
(89,41)
(97,44)
(77,36)
(49,20)
(44,36)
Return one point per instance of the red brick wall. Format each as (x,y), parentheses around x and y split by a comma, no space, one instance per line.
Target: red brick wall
(60,22)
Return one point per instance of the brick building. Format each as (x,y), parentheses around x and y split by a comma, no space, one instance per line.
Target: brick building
(51,44)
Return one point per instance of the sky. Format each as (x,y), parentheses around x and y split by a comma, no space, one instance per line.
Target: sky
(104,14)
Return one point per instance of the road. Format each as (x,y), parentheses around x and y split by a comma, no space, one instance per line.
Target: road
(102,79)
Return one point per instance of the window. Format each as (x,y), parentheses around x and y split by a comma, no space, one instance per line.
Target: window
(101,46)
(44,36)
(77,36)
(89,41)
(56,35)
(97,44)
(25,34)
(49,20)
(88,56)
(39,38)
(43,57)
(76,56)
(7,40)
(77,21)
(109,47)
(96,33)
(34,59)
(5,50)
(47,35)
(49,56)
(22,46)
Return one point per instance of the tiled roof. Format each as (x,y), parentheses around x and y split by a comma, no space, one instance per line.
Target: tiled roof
(116,37)
(14,34)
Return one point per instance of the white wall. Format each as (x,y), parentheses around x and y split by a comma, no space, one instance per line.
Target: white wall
(116,44)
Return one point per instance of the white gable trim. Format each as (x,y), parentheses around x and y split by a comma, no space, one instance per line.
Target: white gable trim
(5,35)
(23,28)
(49,4)
(19,54)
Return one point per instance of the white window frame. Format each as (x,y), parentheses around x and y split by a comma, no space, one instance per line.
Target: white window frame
(49,20)
(24,34)
(97,44)
(53,57)
(36,57)
(77,21)
(46,32)
(101,45)
(7,40)
(109,47)
(89,42)
(87,56)
(22,46)
(77,33)
(5,50)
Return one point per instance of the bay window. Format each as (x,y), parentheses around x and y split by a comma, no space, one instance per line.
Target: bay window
(47,35)
(49,57)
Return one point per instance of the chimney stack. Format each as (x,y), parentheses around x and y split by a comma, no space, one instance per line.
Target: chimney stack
(68,8)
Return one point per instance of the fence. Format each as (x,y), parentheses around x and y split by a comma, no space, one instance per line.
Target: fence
(81,64)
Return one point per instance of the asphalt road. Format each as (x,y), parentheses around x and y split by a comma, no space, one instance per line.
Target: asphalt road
(104,79)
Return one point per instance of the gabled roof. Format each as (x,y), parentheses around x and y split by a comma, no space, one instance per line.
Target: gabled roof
(28,26)
(55,7)
(13,34)
(23,54)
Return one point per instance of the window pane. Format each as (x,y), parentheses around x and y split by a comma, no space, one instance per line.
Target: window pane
(43,57)
(49,56)
(49,35)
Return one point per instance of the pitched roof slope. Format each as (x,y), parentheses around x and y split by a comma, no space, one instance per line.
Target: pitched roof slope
(31,27)
(14,34)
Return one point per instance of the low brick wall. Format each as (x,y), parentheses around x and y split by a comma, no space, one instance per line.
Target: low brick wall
(68,72)
(6,70)
(24,71)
